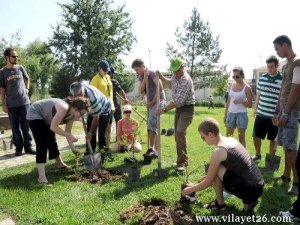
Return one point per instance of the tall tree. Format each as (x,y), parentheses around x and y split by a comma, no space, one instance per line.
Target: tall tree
(41,65)
(90,30)
(198,48)
(13,41)
(220,83)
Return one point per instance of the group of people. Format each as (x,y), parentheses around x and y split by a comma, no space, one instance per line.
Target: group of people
(231,167)
(276,112)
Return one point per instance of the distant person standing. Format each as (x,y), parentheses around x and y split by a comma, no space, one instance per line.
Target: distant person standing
(211,103)
(240,98)
(288,109)
(226,97)
(267,95)
(103,83)
(183,99)
(14,88)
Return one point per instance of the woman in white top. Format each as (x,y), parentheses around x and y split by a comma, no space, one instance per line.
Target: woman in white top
(240,98)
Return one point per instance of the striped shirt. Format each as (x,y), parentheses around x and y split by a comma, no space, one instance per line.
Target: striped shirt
(100,104)
(182,90)
(269,88)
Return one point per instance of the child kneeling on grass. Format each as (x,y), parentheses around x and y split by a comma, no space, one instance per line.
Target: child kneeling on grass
(231,168)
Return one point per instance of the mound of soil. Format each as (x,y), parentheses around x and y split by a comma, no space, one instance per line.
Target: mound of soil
(156,212)
(97,176)
(179,216)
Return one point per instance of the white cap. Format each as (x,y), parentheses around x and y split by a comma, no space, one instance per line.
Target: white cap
(127,108)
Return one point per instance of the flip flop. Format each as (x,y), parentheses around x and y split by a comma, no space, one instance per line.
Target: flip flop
(64,167)
(45,183)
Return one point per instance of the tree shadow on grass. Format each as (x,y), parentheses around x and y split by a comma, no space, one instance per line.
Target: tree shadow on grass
(275,197)
(143,183)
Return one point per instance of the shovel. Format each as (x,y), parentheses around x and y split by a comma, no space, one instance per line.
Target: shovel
(92,161)
(170,131)
(159,172)
(272,161)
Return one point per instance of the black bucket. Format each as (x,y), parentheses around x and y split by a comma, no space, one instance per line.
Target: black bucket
(133,174)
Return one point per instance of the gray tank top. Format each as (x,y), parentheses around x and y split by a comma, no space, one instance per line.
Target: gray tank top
(240,162)
(45,110)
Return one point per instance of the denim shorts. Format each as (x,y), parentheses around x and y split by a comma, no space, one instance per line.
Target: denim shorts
(288,135)
(237,120)
(152,117)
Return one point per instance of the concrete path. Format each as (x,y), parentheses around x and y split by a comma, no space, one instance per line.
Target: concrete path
(8,158)
(7,221)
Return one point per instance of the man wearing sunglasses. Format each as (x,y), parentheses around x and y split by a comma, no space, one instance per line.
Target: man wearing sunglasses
(14,88)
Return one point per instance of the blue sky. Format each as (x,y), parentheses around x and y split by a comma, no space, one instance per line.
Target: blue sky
(246,28)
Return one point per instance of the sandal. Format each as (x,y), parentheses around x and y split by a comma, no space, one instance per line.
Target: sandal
(45,183)
(66,167)
(214,205)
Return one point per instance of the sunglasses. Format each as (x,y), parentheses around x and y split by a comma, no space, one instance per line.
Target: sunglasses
(127,112)
(14,56)
(236,77)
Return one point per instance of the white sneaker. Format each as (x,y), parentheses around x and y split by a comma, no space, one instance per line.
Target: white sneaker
(287,214)
(180,169)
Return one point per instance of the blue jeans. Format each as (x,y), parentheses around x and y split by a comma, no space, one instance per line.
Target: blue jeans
(17,118)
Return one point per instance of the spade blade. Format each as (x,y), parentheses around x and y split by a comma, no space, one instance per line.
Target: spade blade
(272,162)
(93,161)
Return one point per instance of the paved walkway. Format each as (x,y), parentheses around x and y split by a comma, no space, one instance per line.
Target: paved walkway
(7,221)
(8,158)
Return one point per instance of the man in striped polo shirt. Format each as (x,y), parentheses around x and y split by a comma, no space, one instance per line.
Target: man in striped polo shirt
(268,89)
(99,114)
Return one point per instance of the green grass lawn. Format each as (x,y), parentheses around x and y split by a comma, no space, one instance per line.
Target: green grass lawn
(70,202)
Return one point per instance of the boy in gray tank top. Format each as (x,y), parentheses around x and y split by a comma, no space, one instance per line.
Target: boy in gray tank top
(231,168)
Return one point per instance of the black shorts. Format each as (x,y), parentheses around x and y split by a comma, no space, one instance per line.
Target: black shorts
(264,126)
(237,186)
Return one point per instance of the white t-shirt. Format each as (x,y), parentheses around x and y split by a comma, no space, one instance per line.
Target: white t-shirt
(296,75)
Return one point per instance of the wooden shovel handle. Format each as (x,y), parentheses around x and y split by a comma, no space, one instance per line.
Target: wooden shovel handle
(85,131)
